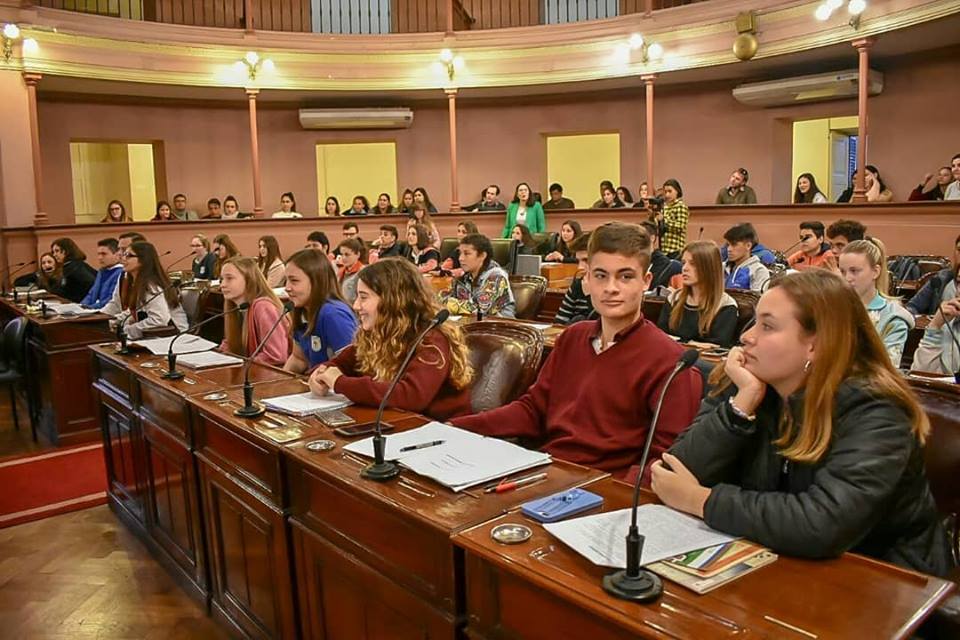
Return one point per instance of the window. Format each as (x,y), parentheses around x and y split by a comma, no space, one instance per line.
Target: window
(560,11)
(351,16)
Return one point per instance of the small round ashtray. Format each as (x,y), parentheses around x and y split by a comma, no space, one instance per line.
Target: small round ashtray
(321,445)
(510,533)
(219,395)
(149,364)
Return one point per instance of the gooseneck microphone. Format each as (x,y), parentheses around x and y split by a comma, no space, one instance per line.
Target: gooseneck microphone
(121,334)
(251,409)
(381,470)
(781,256)
(171,372)
(634,583)
(178,260)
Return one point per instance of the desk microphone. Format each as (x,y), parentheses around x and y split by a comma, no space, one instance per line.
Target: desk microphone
(700,235)
(17,268)
(381,470)
(178,260)
(121,335)
(251,409)
(634,583)
(782,256)
(31,288)
(172,373)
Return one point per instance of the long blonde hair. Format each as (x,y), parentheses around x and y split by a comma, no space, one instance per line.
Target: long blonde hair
(850,348)
(709,266)
(406,308)
(876,254)
(235,328)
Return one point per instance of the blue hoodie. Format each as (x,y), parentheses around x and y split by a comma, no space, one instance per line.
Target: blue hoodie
(103,287)
(766,256)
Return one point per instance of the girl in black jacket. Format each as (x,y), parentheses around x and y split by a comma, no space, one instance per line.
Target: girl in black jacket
(76,275)
(812,443)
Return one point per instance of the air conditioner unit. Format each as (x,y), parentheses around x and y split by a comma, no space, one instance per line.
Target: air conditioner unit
(375,118)
(816,88)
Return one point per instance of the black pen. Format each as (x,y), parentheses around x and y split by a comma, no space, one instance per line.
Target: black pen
(422,445)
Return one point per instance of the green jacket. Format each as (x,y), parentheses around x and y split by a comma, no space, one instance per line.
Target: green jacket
(535,219)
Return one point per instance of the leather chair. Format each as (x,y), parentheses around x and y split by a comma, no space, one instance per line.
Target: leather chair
(15,364)
(746,307)
(505,253)
(528,292)
(544,242)
(190,301)
(505,357)
(942,460)
(651,307)
(447,245)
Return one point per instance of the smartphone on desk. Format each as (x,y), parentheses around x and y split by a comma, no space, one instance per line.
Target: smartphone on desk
(360,430)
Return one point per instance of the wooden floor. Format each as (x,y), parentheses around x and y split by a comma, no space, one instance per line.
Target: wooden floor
(83,575)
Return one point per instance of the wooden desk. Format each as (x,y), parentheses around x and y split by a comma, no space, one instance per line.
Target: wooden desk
(559,272)
(543,589)
(280,541)
(58,372)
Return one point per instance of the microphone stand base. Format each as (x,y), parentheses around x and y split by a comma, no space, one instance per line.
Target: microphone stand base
(380,472)
(644,588)
(172,375)
(253,411)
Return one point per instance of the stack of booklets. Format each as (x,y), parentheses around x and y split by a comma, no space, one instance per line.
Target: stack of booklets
(305,404)
(706,569)
(457,459)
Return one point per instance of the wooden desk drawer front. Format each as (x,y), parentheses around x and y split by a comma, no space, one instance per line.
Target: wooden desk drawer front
(124,457)
(253,463)
(167,410)
(116,377)
(340,596)
(406,550)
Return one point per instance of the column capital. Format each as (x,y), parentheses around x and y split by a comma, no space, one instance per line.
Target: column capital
(251,93)
(863,43)
(32,79)
(648,78)
(451,92)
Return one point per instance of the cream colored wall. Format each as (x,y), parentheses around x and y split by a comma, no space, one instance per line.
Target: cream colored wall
(101,173)
(580,162)
(349,169)
(143,184)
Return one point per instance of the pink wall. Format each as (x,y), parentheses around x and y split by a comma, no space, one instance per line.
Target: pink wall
(701,135)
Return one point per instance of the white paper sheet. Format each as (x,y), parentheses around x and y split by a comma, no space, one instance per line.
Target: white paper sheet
(206,359)
(302,404)
(427,433)
(667,533)
(186,344)
(69,309)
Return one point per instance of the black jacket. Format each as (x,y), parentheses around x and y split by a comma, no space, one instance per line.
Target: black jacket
(76,280)
(662,268)
(868,494)
(927,300)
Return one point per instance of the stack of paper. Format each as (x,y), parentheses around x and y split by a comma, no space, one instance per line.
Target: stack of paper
(304,404)
(464,459)
(188,343)
(207,359)
(69,309)
(667,533)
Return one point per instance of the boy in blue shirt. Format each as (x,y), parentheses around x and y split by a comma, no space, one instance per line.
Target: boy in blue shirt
(108,255)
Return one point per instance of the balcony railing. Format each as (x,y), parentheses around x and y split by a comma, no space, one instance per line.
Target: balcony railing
(362,16)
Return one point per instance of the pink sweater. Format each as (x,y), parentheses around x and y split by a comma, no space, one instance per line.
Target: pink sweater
(260,318)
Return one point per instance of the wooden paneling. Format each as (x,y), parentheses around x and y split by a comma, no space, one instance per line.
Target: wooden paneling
(417,16)
(123,453)
(498,14)
(249,558)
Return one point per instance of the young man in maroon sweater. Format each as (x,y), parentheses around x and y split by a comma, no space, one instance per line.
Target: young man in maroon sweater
(595,396)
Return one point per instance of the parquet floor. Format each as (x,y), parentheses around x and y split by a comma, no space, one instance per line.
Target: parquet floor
(83,576)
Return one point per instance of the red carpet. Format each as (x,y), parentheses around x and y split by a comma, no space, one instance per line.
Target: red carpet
(42,485)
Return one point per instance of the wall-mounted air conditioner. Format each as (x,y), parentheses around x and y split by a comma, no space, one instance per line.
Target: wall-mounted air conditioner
(374,118)
(822,86)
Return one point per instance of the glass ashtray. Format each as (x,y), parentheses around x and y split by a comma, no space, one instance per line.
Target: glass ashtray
(510,533)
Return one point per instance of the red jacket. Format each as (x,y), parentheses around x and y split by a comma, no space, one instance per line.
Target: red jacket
(424,388)
(595,409)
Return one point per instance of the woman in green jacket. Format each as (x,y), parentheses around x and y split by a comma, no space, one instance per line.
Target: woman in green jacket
(524,209)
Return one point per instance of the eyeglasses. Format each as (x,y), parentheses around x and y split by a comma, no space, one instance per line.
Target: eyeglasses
(129,255)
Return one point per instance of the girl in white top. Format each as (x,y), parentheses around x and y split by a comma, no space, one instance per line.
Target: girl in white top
(288,207)
(807,191)
(270,262)
(139,294)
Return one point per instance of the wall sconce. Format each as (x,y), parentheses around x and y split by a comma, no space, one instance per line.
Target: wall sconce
(854,7)
(11,33)
(649,51)
(253,64)
(452,63)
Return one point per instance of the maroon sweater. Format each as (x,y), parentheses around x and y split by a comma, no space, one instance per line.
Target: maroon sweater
(595,409)
(424,388)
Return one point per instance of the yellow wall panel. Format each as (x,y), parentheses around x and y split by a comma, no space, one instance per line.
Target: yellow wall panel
(350,169)
(101,173)
(143,185)
(580,163)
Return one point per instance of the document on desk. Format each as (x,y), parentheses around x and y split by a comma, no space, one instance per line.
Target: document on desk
(464,459)
(667,533)
(70,309)
(304,404)
(186,344)
(207,359)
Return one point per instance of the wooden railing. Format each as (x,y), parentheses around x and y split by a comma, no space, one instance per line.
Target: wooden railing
(362,16)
